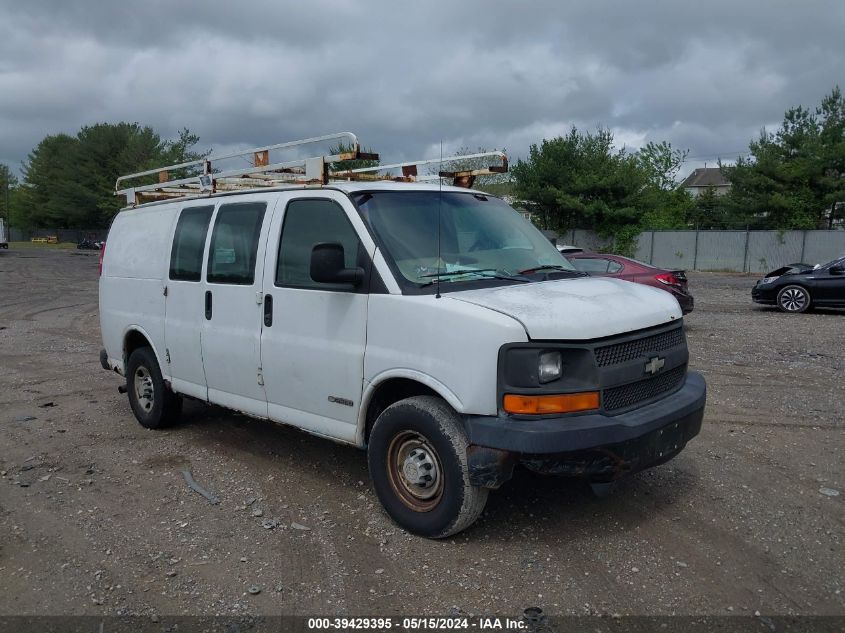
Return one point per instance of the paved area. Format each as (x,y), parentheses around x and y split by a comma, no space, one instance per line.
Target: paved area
(95,517)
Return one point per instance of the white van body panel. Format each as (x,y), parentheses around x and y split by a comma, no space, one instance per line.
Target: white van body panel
(578,309)
(339,345)
(231,339)
(382,267)
(132,282)
(452,346)
(184,309)
(312,356)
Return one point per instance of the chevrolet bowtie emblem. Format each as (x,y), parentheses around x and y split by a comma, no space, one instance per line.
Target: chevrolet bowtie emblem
(654,365)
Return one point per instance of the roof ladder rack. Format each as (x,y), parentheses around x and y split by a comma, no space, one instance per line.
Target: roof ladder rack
(461,178)
(261,173)
(205,176)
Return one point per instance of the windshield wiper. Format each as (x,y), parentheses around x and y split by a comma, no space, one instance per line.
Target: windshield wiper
(463,271)
(552,267)
(467,271)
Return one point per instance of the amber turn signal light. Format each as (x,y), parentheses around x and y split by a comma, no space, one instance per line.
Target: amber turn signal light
(558,403)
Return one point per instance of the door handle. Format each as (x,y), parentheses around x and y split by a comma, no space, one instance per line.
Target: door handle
(268,310)
(208,305)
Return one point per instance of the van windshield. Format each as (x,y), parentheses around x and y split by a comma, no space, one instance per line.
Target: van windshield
(480,236)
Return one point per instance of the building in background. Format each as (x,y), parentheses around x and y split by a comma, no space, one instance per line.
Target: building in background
(705,178)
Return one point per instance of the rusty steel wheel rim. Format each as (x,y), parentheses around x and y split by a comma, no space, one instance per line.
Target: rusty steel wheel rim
(414,471)
(144,389)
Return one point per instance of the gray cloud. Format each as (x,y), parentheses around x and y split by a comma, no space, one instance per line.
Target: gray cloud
(406,76)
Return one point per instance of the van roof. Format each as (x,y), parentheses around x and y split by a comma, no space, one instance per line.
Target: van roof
(345,187)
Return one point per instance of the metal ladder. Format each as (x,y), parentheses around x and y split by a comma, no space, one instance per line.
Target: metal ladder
(313,171)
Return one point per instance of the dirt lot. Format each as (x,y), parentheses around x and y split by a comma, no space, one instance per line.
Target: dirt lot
(95,517)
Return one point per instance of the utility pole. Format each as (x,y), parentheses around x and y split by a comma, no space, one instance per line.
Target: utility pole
(6,179)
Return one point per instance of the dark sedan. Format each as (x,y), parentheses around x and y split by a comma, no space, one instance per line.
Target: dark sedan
(672,281)
(796,287)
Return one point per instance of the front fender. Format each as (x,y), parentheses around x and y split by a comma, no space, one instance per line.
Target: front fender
(410,374)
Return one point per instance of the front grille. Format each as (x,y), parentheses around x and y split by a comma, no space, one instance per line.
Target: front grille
(633,393)
(629,350)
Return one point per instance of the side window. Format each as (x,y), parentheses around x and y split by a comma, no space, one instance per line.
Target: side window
(309,222)
(613,267)
(590,264)
(189,243)
(234,243)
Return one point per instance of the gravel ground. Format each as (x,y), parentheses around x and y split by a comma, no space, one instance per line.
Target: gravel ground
(96,518)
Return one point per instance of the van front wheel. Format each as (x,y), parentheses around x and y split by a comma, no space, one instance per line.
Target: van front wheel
(417,459)
(154,405)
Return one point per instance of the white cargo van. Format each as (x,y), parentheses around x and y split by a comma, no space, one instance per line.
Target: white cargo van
(4,236)
(431,325)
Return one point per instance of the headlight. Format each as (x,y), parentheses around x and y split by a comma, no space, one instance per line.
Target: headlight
(550,366)
(767,280)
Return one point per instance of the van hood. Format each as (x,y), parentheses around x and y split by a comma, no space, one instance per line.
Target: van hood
(577,309)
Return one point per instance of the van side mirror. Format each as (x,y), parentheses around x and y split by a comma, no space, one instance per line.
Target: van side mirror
(328,267)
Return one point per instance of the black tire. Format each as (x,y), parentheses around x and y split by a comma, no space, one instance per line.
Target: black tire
(154,405)
(794,299)
(425,431)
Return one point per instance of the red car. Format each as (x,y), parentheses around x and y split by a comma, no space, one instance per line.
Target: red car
(672,281)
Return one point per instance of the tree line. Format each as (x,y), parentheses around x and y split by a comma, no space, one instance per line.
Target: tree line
(792,178)
(68,181)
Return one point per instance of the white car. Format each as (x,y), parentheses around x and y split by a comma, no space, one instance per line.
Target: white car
(566,248)
(434,327)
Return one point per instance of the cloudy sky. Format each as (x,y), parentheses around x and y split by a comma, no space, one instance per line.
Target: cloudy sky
(404,76)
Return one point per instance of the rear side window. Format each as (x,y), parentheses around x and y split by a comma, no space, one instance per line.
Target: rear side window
(188,244)
(234,243)
(309,222)
(592,264)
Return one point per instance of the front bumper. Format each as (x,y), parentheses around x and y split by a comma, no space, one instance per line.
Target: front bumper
(763,295)
(600,447)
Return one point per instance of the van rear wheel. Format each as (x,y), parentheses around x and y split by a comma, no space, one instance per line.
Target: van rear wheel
(155,406)
(418,464)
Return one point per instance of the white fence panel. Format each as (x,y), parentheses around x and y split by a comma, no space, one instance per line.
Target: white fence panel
(823,246)
(674,249)
(720,250)
(733,251)
(768,250)
(643,249)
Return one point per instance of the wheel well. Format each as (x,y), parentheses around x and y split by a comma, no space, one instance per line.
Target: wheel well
(134,339)
(390,391)
(799,285)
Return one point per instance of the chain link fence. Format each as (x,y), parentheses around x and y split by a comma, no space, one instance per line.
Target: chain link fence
(64,235)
